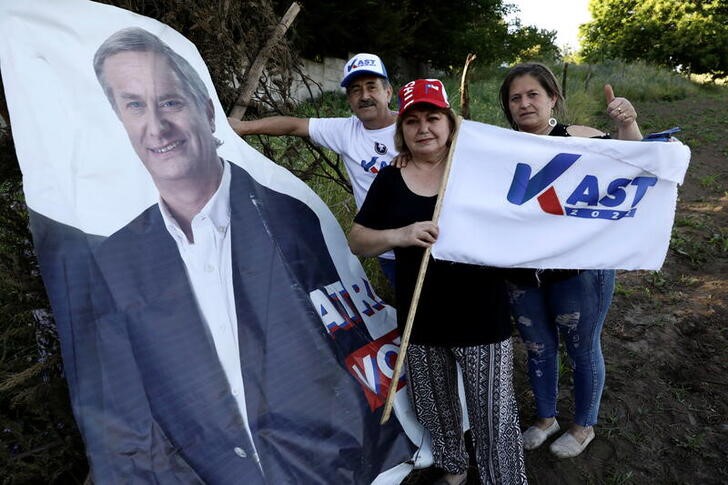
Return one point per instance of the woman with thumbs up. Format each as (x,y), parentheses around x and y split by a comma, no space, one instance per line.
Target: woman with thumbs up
(571,304)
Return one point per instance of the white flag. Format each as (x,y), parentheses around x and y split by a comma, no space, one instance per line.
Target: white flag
(520,200)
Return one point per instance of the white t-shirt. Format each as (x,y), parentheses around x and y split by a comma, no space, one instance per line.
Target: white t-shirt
(364,151)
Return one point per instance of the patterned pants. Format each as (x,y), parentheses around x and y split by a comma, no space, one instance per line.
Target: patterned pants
(492,410)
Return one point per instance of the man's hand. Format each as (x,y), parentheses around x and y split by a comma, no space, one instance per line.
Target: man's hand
(238,126)
(400,161)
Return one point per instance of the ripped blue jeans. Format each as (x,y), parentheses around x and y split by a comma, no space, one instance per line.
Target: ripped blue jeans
(575,309)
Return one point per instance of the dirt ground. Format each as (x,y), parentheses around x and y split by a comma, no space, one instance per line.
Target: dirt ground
(664,412)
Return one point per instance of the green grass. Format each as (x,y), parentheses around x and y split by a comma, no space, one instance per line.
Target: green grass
(483,87)
(710,182)
(656,279)
(718,240)
(690,442)
(622,290)
(698,240)
(621,478)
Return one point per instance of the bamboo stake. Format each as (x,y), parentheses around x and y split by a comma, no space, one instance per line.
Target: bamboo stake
(389,403)
(256,69)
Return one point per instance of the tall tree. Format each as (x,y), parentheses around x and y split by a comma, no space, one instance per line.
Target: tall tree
(531,43)
(447,31)
(688,34)
(426,31)
(334,28)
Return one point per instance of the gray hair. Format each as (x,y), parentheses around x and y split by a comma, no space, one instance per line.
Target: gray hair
(135,39)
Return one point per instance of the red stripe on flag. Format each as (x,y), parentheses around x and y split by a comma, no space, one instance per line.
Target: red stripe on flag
(550,202)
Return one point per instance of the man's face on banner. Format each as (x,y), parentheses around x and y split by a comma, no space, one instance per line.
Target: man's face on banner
(171,135)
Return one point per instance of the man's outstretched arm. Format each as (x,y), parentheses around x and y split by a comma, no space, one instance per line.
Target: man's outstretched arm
(273,125)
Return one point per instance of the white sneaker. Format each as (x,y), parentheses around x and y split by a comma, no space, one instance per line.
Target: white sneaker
(568,447)
(534,436)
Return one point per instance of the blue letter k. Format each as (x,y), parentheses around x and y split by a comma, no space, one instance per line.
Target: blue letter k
(524,189)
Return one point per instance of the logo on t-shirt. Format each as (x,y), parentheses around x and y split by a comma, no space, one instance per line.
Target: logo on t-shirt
(374,165)
(380,148)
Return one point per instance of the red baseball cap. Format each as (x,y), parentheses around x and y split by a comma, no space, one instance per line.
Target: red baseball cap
(430,91)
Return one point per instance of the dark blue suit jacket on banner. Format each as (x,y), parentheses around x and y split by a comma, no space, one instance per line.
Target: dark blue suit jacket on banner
(147,388)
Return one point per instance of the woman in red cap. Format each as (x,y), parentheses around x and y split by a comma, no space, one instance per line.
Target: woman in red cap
(462,315)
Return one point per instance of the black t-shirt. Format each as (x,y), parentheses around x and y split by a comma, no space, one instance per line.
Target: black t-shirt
(460,304)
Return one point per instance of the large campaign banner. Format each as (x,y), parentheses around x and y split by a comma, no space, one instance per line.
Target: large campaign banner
(520,200)
(215,327)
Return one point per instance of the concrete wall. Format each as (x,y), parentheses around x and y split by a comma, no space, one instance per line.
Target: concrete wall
(323,77)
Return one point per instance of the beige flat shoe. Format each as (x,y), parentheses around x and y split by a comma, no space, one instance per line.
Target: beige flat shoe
(568,447)
(534,436)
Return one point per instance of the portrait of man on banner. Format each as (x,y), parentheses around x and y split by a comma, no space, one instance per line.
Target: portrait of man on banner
(215,337)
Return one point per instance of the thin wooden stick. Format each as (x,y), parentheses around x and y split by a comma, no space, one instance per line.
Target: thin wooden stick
(256,69)
(389,403)
(464,88)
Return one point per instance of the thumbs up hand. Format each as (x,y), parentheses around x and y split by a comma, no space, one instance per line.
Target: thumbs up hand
(624,114)
(619,109)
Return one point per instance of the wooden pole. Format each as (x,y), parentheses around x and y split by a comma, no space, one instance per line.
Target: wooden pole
(563,80)
(588,77)
(256,69)
(389,403)
(464,88)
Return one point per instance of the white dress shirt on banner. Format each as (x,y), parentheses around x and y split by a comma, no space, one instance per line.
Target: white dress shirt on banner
(208,262)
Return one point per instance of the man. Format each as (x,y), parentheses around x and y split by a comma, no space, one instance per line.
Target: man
(211,357)
(365,141)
